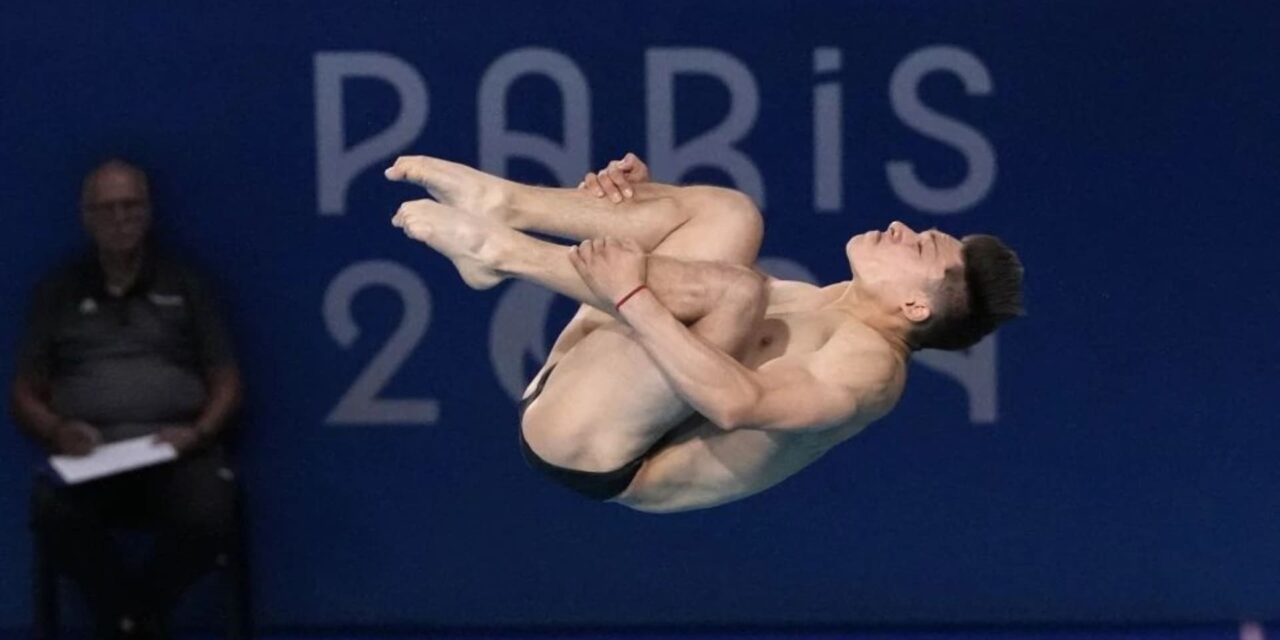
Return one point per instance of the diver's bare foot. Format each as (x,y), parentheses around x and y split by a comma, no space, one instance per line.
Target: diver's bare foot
(471,242)
(457,185)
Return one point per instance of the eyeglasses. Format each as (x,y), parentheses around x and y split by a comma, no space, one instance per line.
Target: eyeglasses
(130,206)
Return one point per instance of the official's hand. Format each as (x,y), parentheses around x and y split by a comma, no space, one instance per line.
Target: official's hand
(75,438)
(617,180)
(183,438)
(612,268)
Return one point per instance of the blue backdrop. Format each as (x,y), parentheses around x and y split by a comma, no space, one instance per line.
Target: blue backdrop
(1111,457)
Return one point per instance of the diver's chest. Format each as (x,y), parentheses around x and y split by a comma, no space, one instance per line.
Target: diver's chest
(788,334)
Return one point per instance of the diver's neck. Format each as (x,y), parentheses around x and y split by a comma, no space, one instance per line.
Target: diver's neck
(873,313)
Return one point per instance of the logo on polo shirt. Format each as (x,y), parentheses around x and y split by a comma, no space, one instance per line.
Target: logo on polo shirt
(162,300)
(88,305)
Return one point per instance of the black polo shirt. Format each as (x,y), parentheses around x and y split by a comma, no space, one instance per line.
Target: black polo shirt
(140,357)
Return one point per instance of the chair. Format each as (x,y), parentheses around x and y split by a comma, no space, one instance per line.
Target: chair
(233,563)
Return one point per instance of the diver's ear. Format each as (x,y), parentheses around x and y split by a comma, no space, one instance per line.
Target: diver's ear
(917,310)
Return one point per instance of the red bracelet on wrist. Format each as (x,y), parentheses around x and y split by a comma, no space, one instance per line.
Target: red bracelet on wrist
(623,300)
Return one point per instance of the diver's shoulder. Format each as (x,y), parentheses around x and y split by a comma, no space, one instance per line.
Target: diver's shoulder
(873,354)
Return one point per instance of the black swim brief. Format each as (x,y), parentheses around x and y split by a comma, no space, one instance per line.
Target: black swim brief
(597,485)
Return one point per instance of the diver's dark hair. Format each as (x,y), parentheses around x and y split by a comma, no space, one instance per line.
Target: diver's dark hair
(976,298)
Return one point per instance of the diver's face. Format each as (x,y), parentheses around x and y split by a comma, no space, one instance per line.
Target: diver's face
(899,262)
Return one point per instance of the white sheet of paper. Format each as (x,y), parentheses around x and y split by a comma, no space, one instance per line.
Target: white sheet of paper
(110,459)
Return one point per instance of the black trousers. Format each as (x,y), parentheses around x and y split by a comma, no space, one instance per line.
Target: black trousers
(190,506)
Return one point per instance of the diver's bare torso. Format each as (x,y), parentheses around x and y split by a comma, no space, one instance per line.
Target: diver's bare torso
(705,465)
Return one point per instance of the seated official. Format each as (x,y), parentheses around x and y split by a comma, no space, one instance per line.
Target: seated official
(125,342)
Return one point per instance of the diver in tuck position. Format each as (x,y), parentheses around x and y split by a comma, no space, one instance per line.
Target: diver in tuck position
(687,379)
